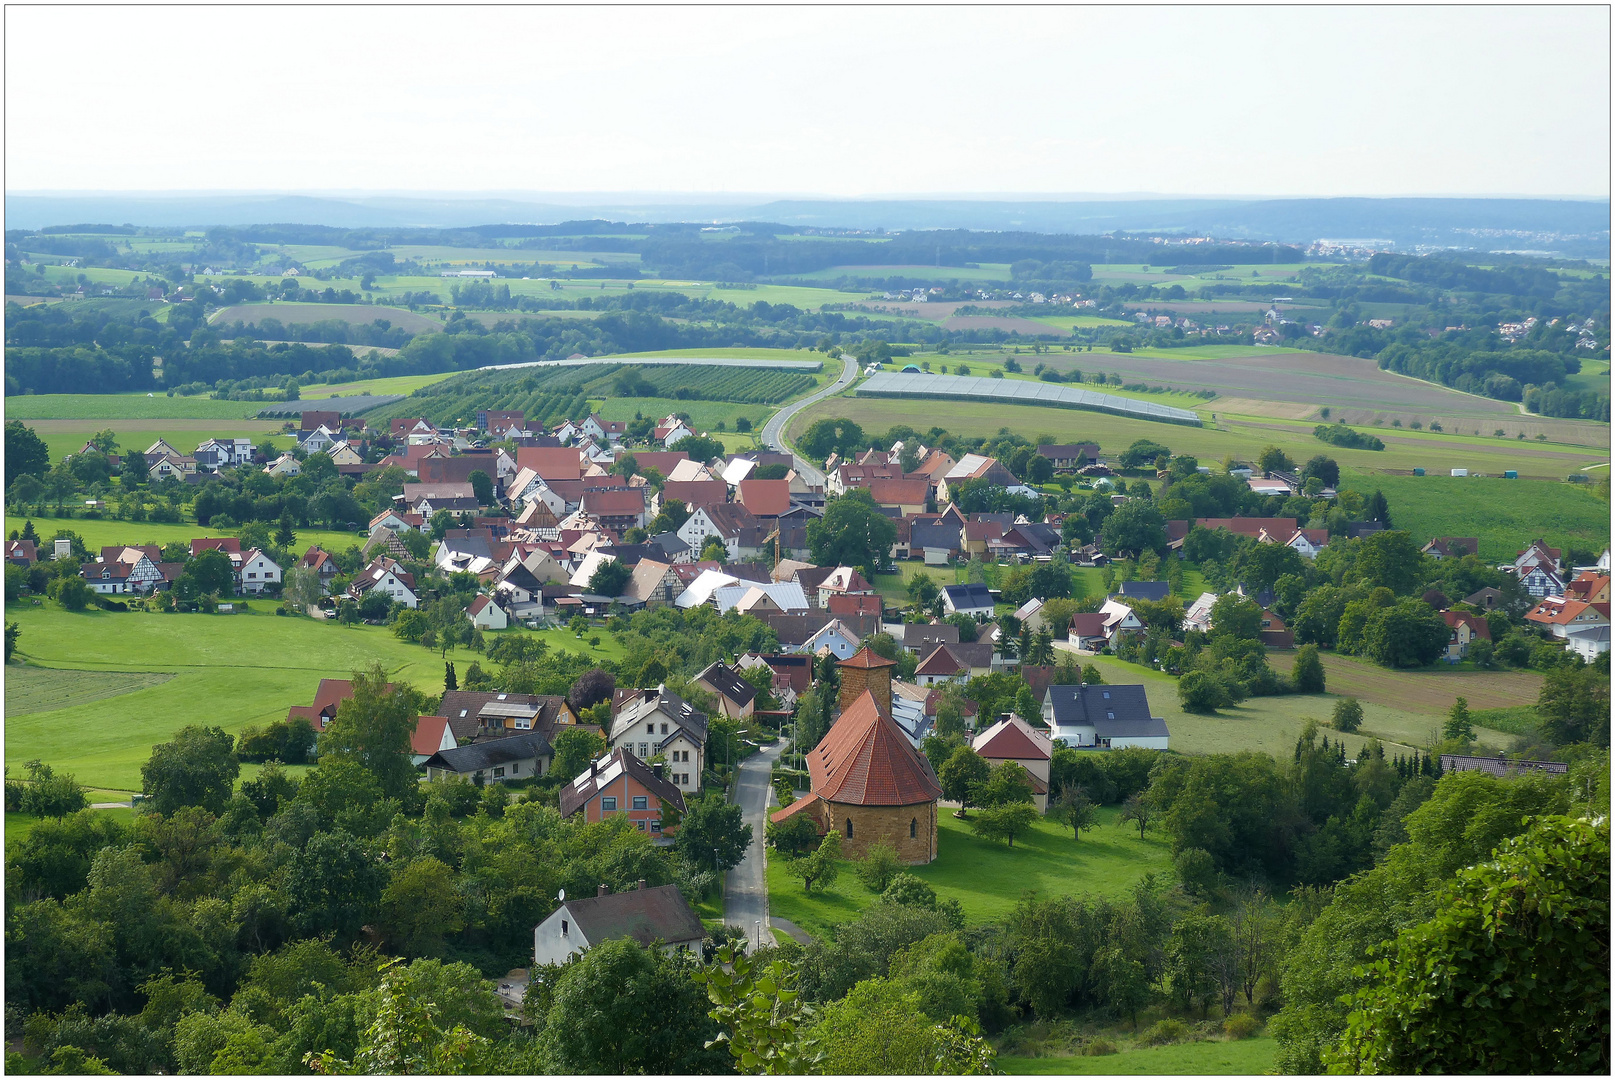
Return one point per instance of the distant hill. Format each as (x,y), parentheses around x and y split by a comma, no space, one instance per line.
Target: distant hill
(1578,228)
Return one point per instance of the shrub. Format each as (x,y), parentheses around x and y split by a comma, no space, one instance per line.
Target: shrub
(1348,715)
(1164,1032)
(909,890)
(1241,1026)
(879,867)
(1099,1048)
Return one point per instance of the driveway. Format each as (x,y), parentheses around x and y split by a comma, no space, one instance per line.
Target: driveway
(774,430)
(745,890)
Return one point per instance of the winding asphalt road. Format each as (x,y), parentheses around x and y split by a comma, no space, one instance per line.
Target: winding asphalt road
(774,430)
(745,888)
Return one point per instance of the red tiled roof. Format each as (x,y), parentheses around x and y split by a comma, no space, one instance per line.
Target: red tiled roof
(694,493)
(1477,625)
(1013,738)
(899,492)
(1250,526)
(227,544)
(866,658)
(1088,624)
(427,738)
(866,760)
(614,502)
(940,662)
(551,462)
(765,498)
(806,803)
(846,604)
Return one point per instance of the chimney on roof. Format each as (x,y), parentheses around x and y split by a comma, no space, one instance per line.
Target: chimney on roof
(642,884)
(602,891)
(657,769)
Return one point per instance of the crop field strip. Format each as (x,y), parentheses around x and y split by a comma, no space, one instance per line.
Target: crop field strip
(1291,375)
(295,313)
(32,689)
(1210,443)
(348,406)
(546,392)
(1020,392)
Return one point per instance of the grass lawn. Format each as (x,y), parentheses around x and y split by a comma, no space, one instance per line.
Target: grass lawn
(225,670)
(989,878)
(101,532)
(1247,1057)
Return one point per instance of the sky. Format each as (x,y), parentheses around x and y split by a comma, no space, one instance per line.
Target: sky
(811,101)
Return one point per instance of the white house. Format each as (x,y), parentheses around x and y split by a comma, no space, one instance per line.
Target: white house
(972,599)
(385,574)
(257,572)
(1198,615)
(285,465)
(836,636)
(1030,614)
(487,615)
(1103,717)
(658,722)
(643,914)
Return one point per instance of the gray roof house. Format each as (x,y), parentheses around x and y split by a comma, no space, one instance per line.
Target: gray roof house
(514,758)
(645,915)
(972,599)
(1145,590)
(1103,716)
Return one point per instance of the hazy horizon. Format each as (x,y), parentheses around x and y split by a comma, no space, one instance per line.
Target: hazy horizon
(826,102)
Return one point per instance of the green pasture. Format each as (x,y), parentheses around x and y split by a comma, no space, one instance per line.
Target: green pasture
(227,670)
(741,352)
(1504,515)
(104,532)
(1081,322)
(397,384)
(1594,376)
(795,295)
(1245,1057)
(984,272)
(1242,437)
(1271,725)
(989,878)
(136,406)
(301,312)
(508,256)
(98,275)
(63,437)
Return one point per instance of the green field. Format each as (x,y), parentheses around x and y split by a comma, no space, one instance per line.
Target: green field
(1243,437)
(1247,1057)
(137,406)
(1504,515)
(1271,724)
(300,312)
(398,384)
(1594,375)
(989,878)
(228,670)
(32,690)
(984,272)
(63,437)
(104,532)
